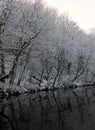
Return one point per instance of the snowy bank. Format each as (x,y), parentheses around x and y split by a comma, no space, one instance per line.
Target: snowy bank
(6,90)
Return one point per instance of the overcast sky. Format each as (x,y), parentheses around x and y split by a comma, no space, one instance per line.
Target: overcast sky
(81,11)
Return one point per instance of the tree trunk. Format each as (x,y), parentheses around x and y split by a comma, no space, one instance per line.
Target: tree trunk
(2,67)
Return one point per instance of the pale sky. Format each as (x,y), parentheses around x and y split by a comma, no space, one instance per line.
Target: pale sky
(81,11)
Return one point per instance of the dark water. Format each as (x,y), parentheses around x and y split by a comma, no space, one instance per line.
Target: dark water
(59,110)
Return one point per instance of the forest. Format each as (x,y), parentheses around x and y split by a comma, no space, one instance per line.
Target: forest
(47,69)
(42,49)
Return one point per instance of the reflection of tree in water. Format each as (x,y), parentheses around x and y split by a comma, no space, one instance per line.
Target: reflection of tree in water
(82,107)
(54,110)
(59,113)
(44,112)
(5,120)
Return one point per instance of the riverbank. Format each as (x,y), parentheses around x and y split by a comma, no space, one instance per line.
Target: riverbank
(6,90)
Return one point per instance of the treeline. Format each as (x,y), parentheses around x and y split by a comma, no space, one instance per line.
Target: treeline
(37,44)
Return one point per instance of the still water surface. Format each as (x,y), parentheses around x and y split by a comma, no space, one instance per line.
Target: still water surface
(58,110)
